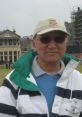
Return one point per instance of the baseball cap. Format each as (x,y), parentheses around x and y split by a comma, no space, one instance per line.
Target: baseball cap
(49,25)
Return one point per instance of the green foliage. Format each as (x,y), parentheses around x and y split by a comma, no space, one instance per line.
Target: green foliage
(3,73)
(79,68)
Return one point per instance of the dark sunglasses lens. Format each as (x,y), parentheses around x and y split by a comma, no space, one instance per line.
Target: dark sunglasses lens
(45,39)
(59,39)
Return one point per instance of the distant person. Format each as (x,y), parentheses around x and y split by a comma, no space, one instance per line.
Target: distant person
(6,64)
(9,64)
(44,82)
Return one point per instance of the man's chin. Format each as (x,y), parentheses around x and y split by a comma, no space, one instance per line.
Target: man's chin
(51,60)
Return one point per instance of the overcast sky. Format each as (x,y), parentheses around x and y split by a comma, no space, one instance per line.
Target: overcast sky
(24,14)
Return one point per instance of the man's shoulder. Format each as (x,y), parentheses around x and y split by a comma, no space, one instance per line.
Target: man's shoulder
(76,77)
(77,73)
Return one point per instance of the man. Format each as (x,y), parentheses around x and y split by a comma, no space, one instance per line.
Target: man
(44,82)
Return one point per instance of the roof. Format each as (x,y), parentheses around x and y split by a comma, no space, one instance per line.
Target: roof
(8,34)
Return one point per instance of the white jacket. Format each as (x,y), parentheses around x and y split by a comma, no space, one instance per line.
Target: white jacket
(18,101)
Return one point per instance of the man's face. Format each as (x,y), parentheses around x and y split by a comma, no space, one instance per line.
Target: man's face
(50,46)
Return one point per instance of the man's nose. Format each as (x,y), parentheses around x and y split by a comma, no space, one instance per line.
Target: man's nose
(52,43)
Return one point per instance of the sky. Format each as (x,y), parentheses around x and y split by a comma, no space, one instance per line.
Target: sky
(23,15)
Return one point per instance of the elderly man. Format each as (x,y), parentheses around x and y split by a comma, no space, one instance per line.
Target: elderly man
(44,82)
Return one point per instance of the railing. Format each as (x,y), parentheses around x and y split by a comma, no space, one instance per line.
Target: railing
(10,46)
(74,48)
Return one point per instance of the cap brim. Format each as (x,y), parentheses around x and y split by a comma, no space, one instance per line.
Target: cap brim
(52,29)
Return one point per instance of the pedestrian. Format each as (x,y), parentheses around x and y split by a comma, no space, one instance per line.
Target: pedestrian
(44,82)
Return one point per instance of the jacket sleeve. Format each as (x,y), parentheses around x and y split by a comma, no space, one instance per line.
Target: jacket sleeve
(8,97)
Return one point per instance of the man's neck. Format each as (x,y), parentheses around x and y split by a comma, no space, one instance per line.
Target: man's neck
(49,67)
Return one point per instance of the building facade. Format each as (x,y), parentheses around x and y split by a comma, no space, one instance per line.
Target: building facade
(76,18)
(10,49)
(25,44)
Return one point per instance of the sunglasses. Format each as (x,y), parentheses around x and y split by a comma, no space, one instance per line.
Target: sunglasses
(57,39)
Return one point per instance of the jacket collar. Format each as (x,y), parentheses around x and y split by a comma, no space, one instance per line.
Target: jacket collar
(22,68)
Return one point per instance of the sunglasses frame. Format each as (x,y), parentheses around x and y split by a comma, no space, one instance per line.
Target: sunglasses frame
(45,39)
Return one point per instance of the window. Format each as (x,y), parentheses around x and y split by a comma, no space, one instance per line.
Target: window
(5,57)
(14,42)
(10,42)
(10,53)
(5,41)
(5,53)
(10,58)
(15,58)
(1,53)
(15,52)
(1,42)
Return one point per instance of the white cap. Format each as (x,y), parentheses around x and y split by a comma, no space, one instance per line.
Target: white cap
(49,25)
